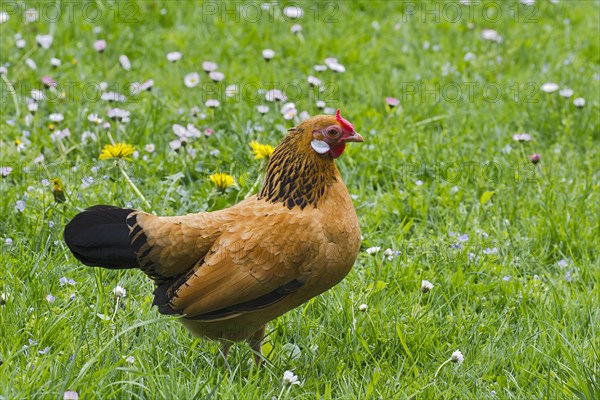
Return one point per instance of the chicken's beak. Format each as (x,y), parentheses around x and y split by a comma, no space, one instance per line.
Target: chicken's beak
(354,137)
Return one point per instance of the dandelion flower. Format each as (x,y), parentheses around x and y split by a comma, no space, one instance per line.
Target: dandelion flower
(58,191)
(119,291)
(289,378)
(261,150)
(118,151)
(222,180)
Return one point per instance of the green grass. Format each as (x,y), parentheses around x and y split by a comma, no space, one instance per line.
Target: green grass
(534,334)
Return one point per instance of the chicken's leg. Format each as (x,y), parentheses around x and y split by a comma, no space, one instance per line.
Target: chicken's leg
(256,344)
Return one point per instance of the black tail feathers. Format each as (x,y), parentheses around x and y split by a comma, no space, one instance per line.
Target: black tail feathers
(99,237)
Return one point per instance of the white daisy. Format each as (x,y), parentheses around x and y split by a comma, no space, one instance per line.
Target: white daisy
(174,56)
(20,43)
(56,117)
(209,66)
(32,107)
(216,76)
(469,56)
(31,15)
(549,87)
(100,45)
(275,94)
(373,250)
(231,90)
(566,92)
(212,103)
(31,64)
(293,12)
(268,54)
(289,378)
(579,102)
(44,41)
(491,35)
(125,63)
(55,62)
(262,109)
(426,286)
(113,96)
(313,81)
(457,357)
(119,291)
(191,80)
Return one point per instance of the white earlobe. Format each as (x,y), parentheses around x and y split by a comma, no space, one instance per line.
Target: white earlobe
(320,146)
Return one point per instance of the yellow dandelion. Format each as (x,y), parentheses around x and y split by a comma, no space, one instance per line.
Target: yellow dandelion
(221,180)
(118,150)
(261,150)
(58,190)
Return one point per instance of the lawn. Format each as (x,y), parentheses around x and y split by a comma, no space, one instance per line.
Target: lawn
(479,174)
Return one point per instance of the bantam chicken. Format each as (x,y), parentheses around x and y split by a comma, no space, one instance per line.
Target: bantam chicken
(229,272)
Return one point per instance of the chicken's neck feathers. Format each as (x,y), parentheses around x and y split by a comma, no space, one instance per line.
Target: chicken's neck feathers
(296,175)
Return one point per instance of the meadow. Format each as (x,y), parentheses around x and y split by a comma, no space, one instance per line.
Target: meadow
(477,191)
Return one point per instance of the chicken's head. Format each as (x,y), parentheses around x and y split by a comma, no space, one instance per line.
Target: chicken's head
(329,134)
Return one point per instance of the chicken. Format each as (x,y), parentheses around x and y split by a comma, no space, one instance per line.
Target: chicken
(229,272)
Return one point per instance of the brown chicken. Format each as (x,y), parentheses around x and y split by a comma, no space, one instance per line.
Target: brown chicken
(229,272)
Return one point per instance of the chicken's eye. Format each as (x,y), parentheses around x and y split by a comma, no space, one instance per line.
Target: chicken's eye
(332,132)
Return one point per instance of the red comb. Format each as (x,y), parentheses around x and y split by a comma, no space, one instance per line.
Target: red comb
(347,125)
